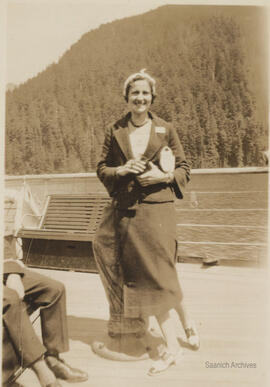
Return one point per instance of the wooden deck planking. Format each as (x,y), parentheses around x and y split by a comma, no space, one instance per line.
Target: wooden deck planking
(227,304)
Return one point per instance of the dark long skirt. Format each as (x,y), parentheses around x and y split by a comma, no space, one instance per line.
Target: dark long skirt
(148,249)
(140,245)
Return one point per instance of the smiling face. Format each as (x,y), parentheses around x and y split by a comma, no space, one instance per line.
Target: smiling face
(139,97)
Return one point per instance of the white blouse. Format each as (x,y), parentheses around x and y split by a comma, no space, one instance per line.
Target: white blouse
(139,138)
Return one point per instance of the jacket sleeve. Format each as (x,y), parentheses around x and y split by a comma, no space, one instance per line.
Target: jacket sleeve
(182,169)
(106,169)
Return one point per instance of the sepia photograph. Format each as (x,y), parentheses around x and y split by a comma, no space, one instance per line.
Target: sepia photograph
(134,200)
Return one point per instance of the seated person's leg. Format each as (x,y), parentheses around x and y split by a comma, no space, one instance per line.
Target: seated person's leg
(16,320)
(50,296)
(26,344)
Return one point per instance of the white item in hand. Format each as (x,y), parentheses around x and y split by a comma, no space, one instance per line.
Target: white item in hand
(167,159)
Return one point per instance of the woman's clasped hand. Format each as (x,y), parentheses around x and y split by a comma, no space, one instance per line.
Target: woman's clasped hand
(147,173)
(153,175)
(131,166)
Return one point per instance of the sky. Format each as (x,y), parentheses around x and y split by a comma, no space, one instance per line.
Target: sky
(38,32)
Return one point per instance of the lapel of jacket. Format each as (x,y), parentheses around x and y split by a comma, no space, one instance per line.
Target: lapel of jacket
(155,141)
(121,136)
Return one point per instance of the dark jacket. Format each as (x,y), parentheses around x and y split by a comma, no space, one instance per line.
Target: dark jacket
(125,190)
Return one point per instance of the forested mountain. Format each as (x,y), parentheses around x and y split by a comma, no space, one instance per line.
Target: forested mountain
(204,61)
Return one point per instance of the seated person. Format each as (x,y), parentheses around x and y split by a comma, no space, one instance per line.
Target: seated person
(37,291)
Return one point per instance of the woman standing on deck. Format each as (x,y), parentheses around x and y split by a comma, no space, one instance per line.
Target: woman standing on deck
(142,167)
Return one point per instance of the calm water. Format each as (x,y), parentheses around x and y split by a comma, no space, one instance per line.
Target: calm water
(229,212)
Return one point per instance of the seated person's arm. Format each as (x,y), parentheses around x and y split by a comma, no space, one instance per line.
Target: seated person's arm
(14,282)
(13,273)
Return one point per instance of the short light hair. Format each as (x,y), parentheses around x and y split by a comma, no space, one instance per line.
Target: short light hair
(140,76)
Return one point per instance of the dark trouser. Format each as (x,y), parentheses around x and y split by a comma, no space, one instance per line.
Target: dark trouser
(49,295)
(20,331)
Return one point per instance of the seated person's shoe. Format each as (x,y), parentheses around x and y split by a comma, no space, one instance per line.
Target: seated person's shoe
(63,371)
(193,337)
(165,361)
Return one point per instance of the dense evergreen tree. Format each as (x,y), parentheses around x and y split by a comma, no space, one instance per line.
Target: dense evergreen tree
(55,122)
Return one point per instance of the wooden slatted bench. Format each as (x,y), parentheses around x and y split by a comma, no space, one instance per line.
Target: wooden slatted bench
(65,233)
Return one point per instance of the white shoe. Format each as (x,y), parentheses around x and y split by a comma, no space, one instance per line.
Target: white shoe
(165,361)
(193,337)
